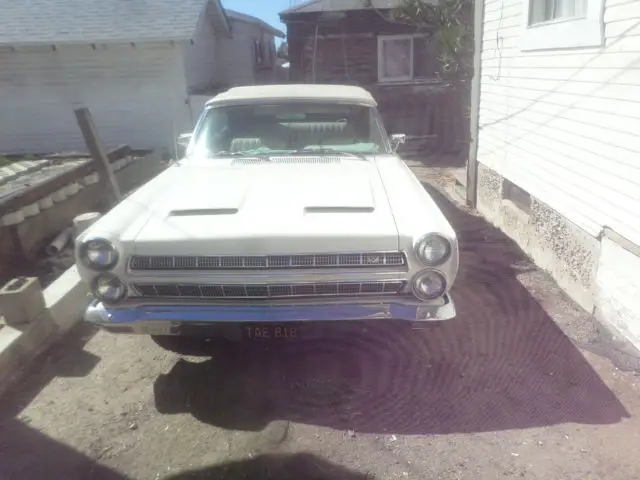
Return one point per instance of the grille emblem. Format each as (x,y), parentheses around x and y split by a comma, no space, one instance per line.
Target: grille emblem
(373,260)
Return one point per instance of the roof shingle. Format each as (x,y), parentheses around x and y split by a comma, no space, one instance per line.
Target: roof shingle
(24,22)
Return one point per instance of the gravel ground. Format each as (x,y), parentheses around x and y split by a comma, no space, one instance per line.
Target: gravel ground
(522,384)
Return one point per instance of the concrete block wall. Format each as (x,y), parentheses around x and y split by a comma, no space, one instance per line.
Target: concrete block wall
(22,238)
(64,302)
(618,288)
(24,241)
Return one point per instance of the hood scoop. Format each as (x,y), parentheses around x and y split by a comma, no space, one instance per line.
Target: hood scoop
(339,209)
(203,212)
(266,210)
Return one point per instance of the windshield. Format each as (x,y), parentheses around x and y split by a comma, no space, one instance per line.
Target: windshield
(286,128)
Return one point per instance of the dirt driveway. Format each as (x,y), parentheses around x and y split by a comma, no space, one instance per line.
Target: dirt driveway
(521,385)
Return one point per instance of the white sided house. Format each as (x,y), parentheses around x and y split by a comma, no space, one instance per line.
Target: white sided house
(133,63)
(247,57)
(559,144)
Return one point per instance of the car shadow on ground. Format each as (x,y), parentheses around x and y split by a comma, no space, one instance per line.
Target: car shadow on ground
(274,467)
(501,364)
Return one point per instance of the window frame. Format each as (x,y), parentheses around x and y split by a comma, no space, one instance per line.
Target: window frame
(264,51)
(564,33)
(410,77)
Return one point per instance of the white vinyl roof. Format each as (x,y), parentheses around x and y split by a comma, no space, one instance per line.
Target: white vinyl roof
(266,93)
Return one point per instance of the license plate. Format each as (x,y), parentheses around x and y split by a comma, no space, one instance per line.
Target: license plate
(267,332)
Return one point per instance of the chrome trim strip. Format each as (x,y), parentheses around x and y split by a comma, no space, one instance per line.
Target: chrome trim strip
(166,319)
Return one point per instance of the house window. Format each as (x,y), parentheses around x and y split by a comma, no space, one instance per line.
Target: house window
(546,10)
(553,24)
(260,59)
(395,58)
(263,53)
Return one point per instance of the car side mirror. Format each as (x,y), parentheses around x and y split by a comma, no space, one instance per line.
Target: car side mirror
(396,140)
(182,143)
(184,139)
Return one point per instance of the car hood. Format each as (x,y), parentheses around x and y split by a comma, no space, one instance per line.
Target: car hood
(233,208)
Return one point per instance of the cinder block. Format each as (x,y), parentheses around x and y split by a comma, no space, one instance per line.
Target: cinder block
(19,346)
(66,299)
(21,300)
(37,336)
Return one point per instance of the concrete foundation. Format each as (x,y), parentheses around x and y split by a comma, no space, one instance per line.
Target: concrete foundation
(553,242)
(618,287)
(598,274)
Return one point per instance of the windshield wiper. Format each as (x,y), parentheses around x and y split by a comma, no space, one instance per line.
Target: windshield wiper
(327,151)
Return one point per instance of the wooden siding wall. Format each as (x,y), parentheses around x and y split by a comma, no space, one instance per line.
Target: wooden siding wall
(564,124)
(347,53)
(427,113)
(347,49)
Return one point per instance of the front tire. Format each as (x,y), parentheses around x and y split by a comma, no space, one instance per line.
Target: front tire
(190,345)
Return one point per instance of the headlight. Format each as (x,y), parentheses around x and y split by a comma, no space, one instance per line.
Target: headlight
(433,249)
(109,288)
(429,285)
(98,254)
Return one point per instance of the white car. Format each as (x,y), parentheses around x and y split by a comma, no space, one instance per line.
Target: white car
(289,206)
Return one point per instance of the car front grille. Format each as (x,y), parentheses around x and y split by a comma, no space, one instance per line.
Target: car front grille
(279,262)
(172,290)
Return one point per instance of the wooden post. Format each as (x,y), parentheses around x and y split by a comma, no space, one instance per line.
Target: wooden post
(474,123)
(100,159)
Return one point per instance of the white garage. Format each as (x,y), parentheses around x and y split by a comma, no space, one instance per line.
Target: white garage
(124,60)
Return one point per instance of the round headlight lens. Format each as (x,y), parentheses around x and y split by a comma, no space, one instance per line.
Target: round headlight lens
(429,285)
(109,288)
(99,254)
(433,249)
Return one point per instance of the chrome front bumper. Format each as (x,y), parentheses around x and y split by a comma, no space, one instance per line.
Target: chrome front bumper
(169,319)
